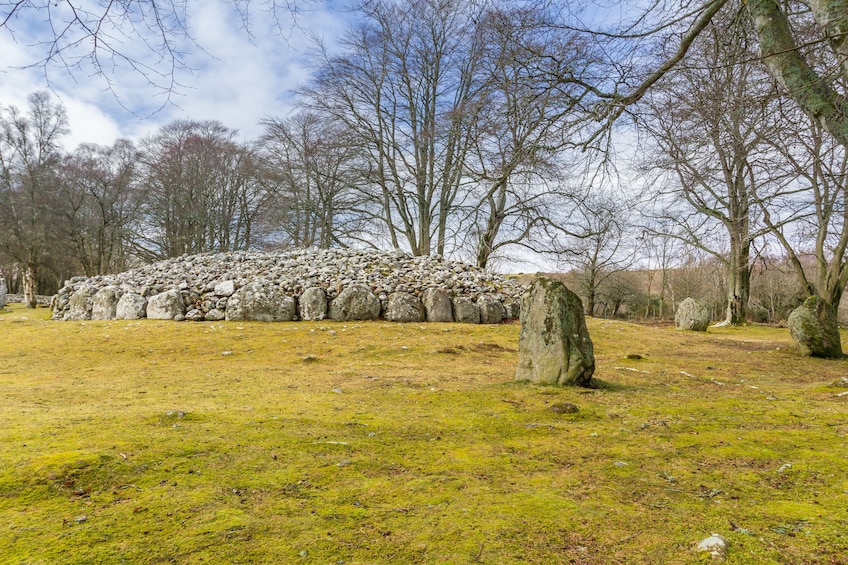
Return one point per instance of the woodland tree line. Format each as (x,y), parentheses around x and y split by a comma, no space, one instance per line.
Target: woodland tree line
(695,149)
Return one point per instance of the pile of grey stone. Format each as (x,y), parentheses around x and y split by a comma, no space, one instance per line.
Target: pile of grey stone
(310,284)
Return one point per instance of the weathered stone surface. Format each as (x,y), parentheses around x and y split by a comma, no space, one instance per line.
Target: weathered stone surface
(404,307)
(104,304)
(207,281)
(312,304)
(715,545)
(356,302)
(131,306)
(194,315)
(261,303)
(692,316)
(166,305)
(554,347)
(215,315)
(491,310)
(465,310)
(437,305)
(225,288)
(513,309)
(814,326)
(79,306)
(3,292)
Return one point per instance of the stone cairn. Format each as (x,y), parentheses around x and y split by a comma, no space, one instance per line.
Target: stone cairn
(310,284)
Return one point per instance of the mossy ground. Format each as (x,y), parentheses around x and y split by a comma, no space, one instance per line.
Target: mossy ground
(163,442)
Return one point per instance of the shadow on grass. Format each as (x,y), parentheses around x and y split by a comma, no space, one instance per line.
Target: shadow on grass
(595,384)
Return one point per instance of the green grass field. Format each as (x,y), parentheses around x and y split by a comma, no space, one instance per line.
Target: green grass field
(163,442)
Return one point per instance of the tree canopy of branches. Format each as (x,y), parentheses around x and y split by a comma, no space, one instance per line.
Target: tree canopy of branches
(100,200)
(461,108)
(201,191)
(312,169)
(709,121)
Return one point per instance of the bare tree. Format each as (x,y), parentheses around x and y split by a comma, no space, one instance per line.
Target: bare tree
(405,85)
(101,203)
(314,168)
(710,120)
(30,155)
(201,191)
(808,213)
(597,245)
(535,98)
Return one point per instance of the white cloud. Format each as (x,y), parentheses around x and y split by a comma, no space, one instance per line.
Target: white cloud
(237,78)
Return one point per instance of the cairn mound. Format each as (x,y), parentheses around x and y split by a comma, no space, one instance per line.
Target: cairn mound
(207,283)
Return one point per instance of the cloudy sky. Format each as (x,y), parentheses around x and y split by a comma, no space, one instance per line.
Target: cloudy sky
(232,74)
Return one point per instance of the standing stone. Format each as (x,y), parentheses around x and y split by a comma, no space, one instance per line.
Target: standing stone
(437,305)
(554,347)
(79,306)
(465,310)
(261,303)
(104,303)
(312,304)
(2,292)
(404,308)
(131,306)
(692,316)
(166,305)
(355,302)
(491,310)
(814,326)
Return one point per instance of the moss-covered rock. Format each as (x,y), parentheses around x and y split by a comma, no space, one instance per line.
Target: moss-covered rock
(813,325)
(554,346)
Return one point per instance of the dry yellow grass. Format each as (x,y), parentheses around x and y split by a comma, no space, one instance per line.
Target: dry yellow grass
(162,442)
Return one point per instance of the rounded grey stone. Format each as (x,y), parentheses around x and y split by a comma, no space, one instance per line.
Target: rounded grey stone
(166,305)
(465,310)
(104,304)
(260,303)
(312,304)
(404,307)
(355,302)
(437,305)
(131,306)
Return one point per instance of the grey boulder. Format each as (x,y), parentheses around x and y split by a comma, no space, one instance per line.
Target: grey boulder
(814,326)
(491,310)
(260,302)
(79,306)
(312,304)
(465,310)
(692,316)
(437,305)
(355,302)
(104,304)
(131,306)
(404,307)
(166,305)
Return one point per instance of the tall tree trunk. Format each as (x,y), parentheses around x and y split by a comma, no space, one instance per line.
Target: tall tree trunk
(738,283)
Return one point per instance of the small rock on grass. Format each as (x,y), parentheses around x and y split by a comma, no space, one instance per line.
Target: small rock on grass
(564,408)
(840,383)
(715,545)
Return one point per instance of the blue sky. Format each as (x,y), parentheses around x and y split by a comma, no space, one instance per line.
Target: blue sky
(232,75)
